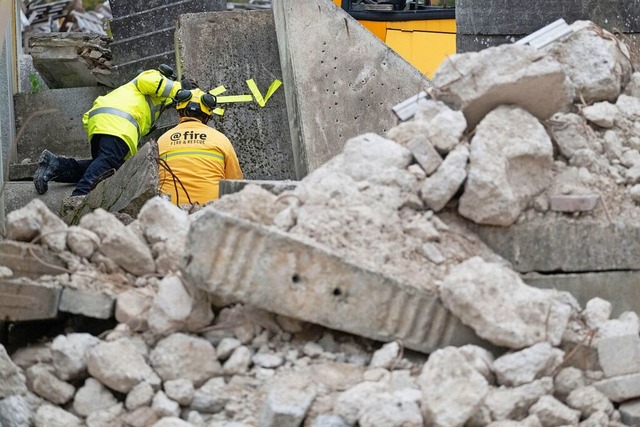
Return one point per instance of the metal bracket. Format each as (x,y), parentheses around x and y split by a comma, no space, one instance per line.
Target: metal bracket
(407,108)
(546,35)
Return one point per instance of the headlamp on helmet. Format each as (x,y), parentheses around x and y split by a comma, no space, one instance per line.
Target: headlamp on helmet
(195,100)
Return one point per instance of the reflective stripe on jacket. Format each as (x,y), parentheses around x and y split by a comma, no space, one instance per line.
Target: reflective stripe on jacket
(196,157)
(130,110)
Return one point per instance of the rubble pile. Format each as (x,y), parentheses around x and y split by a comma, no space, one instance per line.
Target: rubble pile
(496,152)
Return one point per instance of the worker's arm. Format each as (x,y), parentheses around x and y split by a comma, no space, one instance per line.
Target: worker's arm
(153,83)
(232,168)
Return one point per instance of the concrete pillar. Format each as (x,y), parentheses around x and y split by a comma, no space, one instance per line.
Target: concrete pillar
(485,23)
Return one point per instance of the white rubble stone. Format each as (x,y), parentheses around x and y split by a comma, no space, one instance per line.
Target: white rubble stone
(477,82)
(567,380)
(69,353)
(633,86)
(180,390)
(82,242)
(119,243)
(391,410)
(524,366)
(109,417)
(368,156)
(312,349)
(510,162)
(619,355)
(530,421)
(601,114)
(432,253)
(443,184)
(12,379)
(5,272)
(46,385)
(386,357)
(552,412)
(445,130)
(35,220)
(620,388)
(267,360)
(329,421)
(425,153)
(140,395)
(597,419)
(596,312)
(286,403)
(630,412)
(596,63)
(351,403)
(52,416)
(572,133)
(588,400)
(211,397)
(226,346)
(634,192)
(239,361)
(526,315)
(626,324)
(92,397)
(119,365)
(452,390)
(132,308)
(612,146)
(161,220)
(19,410)
(141,417)
(165,407)
(171,422)
(168,254)
(481,359)
(176,308)
(183,356)
(513,403)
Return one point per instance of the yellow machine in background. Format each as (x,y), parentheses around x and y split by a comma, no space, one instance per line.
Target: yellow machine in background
(424,35)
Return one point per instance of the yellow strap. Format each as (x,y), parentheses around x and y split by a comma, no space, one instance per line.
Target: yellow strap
(256,92)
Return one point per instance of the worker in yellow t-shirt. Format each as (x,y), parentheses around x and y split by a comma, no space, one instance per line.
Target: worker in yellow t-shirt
(193,156)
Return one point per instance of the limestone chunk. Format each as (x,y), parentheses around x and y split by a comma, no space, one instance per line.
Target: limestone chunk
(70,353)
(551,411)
(286,404)
(524,366)
(165,407)
(19,410)
(12,379)
(211,397)
(36,221)
(239,361)
(82,242)
(513,403)
(180,390)
(439,188)
(601,114)
(140,395)
(53,416)
(161,220)
(367,156)
(48,386)
(92,397)
(588,400)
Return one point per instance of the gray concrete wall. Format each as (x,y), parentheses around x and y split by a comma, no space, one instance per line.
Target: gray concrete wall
(484,23)
(60,131)
(340,80)
(228,48)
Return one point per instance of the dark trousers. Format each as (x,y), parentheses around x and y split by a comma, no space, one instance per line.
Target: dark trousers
(107,152)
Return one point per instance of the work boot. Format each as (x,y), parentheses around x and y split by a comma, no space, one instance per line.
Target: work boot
(47,171)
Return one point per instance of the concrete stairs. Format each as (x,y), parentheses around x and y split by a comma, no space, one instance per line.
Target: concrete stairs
(143,32)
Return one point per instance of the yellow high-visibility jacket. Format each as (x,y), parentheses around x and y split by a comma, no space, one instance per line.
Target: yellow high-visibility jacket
(130,110)
(196,157)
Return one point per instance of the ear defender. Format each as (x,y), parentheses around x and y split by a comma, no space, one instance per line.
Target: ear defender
(209,101)
(183,95)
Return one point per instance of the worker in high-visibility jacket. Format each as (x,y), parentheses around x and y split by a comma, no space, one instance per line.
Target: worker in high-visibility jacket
(194,157)
(114,124)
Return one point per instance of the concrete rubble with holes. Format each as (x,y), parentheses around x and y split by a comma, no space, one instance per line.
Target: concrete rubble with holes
(368,293)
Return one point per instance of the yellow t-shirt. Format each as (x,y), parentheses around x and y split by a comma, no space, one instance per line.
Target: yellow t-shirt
(193,160)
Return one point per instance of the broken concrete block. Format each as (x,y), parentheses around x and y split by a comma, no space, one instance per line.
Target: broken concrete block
(596,63)
(452,390)
(183,356)
(588,400)
(105,417)
(239,361)
(132,307)
(36,223)
(119,243)
(70,353)
(19,410)
(29,260)
(132,367)
(140,395)
(551,411)
(12,379)
(441,186)
(172,422)
(386,357)
(603,114)
(317,134)
(630,412)
(525,366)
(23,299)
(92,397)
(369,156)
(620,388)
(619,355)
(392,409)
(513,403)
(351,403)
(476,83)
(571,203)
(180,390)
(82,242)
(53,416)
(510,162)
(286,404)
(162,220)
(425,154)
(527,315)
(572,133)
(163,406)
(596,312)
(46,385)
(279,273)
(211,397)
(88,303)
(141,417)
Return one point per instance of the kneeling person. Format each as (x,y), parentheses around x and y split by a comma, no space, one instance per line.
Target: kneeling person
(193,156)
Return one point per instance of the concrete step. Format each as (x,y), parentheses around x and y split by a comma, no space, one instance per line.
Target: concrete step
(120,8)
(52,119)
(160,17)
(127,71)
(134,48)
(18,194)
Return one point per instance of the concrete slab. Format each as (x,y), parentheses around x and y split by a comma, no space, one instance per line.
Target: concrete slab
(230,186)
(134,48)
(562,245)
(618,287)
(87,303)
(260,135)
(276,272)
(18,194)
(340,80)
(27,300)
(120,8)
(66,60)
(53,119)
(630,412)
(621,388)
(29,260)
